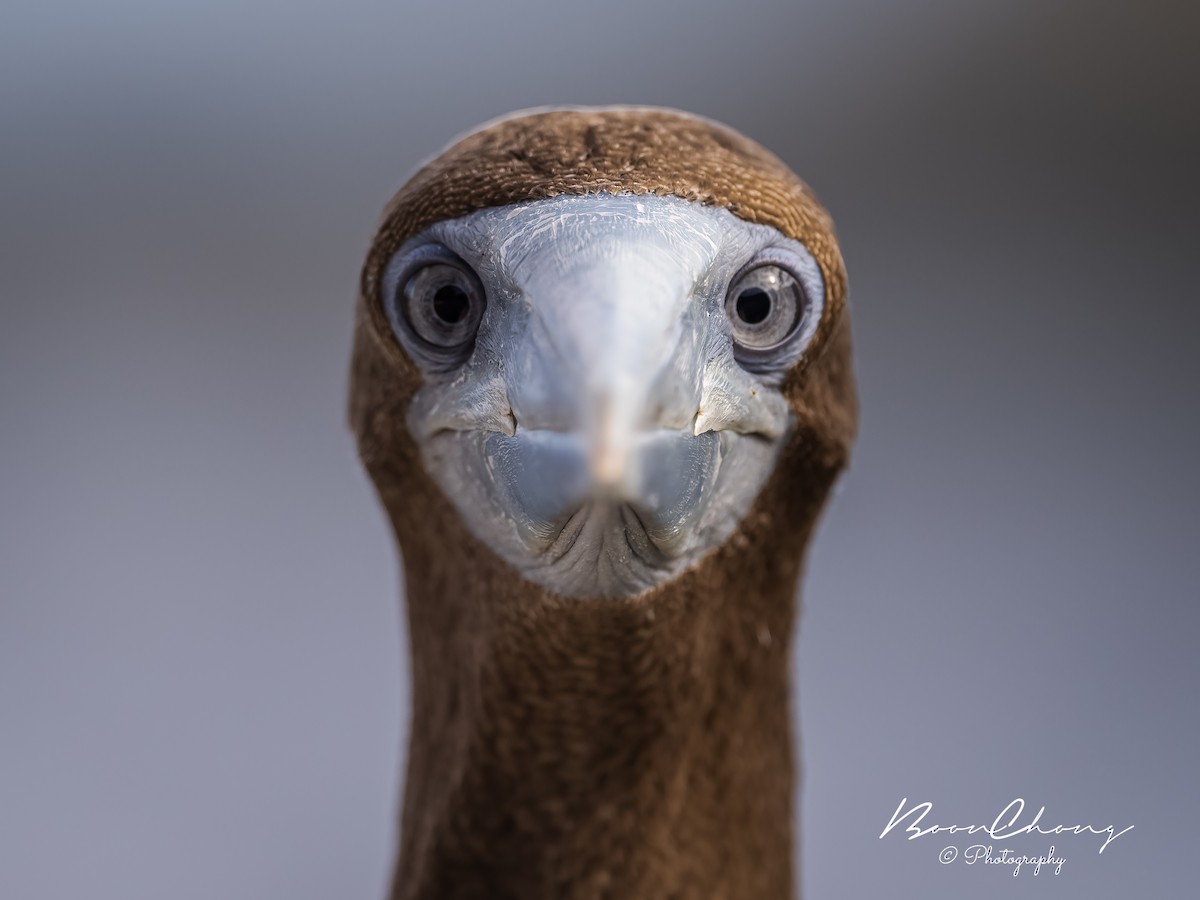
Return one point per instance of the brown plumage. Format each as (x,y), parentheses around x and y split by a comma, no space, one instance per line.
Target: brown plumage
(627,748)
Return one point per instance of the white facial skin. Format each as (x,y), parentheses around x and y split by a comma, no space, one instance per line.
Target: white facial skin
(613,417)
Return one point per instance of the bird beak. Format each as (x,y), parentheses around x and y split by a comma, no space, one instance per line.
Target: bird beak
(619,366)
(608,445)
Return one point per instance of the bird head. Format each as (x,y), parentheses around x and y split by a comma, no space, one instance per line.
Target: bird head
(598,333)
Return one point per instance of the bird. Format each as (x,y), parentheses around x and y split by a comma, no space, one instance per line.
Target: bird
(602,383)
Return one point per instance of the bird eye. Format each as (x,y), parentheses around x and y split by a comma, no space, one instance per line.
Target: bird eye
(769,311)
(437,306)
(443,304)
(765,305)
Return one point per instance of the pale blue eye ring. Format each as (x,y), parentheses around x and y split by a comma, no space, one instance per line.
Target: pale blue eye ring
(434,302)
(774,306)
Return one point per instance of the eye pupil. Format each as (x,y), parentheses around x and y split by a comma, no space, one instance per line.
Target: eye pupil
(450,303)
(753,305)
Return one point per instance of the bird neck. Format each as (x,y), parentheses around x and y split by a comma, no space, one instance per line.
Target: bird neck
(630,748)
(635,748)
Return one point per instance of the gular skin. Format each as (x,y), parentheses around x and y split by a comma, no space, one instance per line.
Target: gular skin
(636,747)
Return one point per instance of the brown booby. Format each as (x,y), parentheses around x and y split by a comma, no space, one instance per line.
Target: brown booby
(602,383)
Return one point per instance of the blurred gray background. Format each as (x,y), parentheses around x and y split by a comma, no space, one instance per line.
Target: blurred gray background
(203,686)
